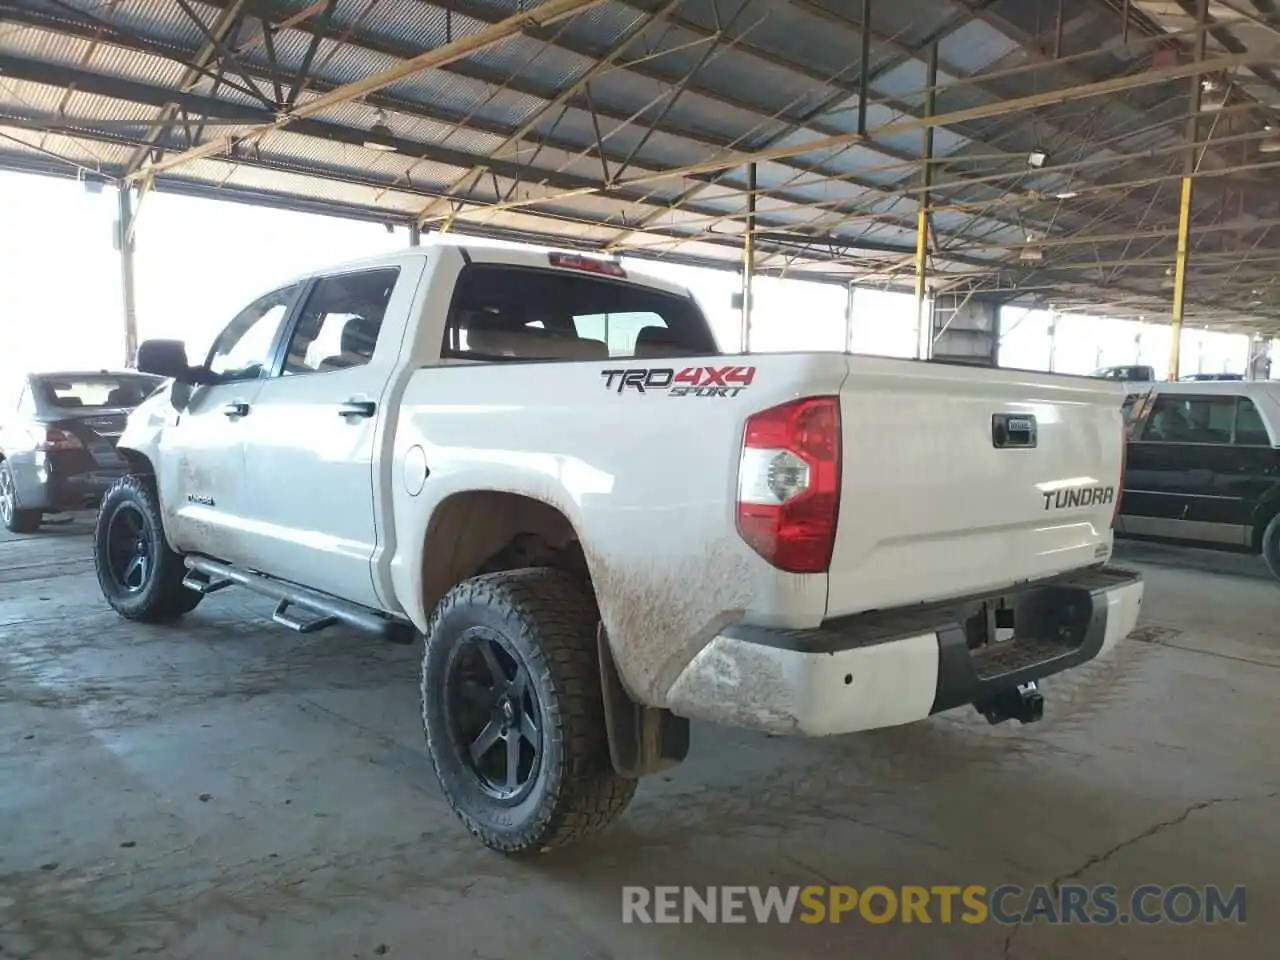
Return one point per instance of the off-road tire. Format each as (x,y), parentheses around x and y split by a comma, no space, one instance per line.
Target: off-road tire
(15,520)
(162,597)
(1271,545)
(549,619)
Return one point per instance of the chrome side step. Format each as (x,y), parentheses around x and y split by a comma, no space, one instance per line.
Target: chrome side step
(209,576)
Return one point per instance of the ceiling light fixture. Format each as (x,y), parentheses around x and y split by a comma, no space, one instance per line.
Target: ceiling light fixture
(1271,142)
(1213,94)
(1067,195)
(379,134)
(1037,158)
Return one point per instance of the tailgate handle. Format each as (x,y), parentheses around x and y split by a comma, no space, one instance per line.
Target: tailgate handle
(1013,431)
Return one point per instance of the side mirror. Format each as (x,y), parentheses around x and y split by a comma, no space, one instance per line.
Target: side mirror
(165,358)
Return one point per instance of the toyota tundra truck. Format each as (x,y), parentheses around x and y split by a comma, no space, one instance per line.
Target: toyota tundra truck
(603,526)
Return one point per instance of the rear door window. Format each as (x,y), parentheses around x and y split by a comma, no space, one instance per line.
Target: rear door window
(1179,419)
(502,312)
(339,326)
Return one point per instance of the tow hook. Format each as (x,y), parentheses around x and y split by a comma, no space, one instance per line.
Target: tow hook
(1023,703)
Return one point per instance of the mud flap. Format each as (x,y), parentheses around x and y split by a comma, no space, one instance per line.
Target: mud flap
(642,740)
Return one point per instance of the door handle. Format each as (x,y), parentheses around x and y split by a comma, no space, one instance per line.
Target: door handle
(357,408)
(237,408)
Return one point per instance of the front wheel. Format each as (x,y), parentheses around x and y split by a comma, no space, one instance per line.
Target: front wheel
(514,714)
(140,576)
(1271,545)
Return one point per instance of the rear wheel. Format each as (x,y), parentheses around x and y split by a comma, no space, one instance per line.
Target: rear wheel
(14,519)
(140,576)
(514,714)
(1271,545)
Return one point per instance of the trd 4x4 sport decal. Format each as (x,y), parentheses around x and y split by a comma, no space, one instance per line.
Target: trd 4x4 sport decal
(689,382)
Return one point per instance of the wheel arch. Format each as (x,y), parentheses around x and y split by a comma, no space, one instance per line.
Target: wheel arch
(139,462)
(488,531)
(1263,514)
(484,531)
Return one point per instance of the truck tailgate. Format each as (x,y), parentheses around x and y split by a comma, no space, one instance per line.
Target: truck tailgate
(959,480)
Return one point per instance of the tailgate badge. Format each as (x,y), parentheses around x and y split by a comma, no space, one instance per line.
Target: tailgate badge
(1078,497)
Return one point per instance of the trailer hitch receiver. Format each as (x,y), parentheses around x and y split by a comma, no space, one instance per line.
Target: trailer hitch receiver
(1023,703)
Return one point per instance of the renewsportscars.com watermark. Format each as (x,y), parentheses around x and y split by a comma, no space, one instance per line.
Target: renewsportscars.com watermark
(1102,904)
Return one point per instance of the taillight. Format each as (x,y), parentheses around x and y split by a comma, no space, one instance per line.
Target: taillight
(789,484)
(51,438)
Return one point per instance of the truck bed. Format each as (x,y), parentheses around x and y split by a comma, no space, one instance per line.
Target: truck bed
(642,457)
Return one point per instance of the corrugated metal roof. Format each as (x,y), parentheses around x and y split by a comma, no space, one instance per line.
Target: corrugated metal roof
(712,78)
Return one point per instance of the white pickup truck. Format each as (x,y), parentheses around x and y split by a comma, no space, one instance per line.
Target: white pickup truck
(604,527)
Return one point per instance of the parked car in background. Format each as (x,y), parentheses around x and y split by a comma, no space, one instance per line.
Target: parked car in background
(1135,373)
(58,434)
(1204,465)
(1209,377)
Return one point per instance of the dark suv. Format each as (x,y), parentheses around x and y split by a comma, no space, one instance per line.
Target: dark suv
(58,434)
(1204,465)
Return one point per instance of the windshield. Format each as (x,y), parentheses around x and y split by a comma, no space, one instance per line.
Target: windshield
(96,392)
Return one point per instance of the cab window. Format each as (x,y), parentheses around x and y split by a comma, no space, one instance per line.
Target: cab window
(507,313)
(339,325)
(243,350)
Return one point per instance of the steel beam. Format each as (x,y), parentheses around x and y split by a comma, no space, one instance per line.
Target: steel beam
(125,243)
(1184,205)
(864,76)
(922,206)
(749,259)
(226,20)
(739,158)
(415,234)
(562,99)
(546,13)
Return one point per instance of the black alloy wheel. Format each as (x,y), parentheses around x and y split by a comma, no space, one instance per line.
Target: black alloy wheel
(130,552)
(493,716)
(513,710)
(141,577)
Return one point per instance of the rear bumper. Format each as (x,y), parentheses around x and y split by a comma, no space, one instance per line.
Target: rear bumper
(888,668)
(54,483)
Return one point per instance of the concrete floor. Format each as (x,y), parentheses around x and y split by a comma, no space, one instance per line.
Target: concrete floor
(228,789)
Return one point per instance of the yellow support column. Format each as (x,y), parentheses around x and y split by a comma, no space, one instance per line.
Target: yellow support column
(1184,207)
(922,237)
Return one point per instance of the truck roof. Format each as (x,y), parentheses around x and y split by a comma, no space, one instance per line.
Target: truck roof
(485,254)
(1245,388)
